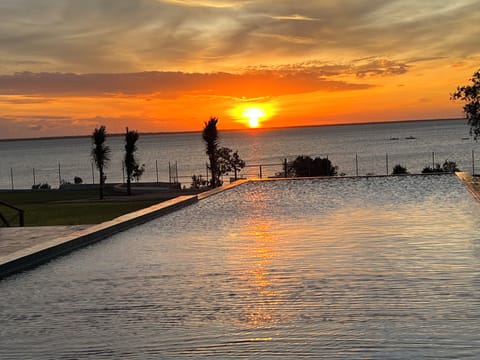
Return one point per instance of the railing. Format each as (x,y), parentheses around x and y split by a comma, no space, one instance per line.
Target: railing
(19,212)
(348,164)
(261,169)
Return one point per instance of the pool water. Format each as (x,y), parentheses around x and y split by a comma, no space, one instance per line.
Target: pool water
(340,268)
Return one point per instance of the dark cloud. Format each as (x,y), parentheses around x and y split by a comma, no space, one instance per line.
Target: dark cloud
(24,100)
(252,83)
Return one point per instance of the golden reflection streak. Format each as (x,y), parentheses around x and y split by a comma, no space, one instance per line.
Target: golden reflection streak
(257,253)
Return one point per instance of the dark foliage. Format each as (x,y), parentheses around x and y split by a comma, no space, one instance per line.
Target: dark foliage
(42,186)
(399,170)
(470,94)
(447,167)
(450,166)
(198,182)
(430,170)
(100,154)
(210,136)
(229,161)
(304,166)
(132,167)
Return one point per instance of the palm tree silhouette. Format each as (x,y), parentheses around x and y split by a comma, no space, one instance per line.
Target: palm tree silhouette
(131,138)
(210,136)
(100,154)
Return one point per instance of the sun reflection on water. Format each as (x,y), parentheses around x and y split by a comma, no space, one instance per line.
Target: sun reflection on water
(255,254)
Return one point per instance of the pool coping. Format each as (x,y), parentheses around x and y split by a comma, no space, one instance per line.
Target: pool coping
(39,254)
(472,185)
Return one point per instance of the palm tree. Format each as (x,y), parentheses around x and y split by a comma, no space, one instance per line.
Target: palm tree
(131,138)
(210,136)
(100,154)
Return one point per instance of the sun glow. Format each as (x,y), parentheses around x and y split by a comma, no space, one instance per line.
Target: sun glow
(253,115)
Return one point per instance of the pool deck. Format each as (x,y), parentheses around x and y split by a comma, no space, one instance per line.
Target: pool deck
(22,248)
(13,239)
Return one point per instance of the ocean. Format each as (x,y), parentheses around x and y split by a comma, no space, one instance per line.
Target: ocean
(355,149)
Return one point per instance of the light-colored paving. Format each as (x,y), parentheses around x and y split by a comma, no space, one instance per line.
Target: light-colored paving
(24,248)
(13,239)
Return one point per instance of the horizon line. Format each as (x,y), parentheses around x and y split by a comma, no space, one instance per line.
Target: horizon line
(234,129)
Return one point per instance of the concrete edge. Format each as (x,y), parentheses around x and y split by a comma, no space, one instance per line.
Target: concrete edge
(36,255)
(39,254)
(220,189)
(469,181)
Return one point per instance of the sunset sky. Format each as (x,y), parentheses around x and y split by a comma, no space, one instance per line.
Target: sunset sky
(67,66)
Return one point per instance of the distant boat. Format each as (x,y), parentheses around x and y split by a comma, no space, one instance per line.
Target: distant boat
(393,138)
(410,138)
(465,138)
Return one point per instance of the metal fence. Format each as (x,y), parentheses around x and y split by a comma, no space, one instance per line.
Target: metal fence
(350,164)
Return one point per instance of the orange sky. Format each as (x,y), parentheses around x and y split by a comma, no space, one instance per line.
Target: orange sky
(152,65)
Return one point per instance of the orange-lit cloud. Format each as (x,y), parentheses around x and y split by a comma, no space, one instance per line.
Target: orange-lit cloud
(167,65)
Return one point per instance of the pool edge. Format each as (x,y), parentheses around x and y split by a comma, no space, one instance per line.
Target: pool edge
(33,256)
(470,183)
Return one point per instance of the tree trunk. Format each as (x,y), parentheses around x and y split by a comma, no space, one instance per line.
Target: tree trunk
(129,186)
(101,184)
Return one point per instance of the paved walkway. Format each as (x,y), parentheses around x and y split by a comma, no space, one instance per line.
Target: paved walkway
(13,239)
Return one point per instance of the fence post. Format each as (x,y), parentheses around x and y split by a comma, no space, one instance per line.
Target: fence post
(11,177)
(260,171)
(59,176)
(285,166)
(93,174)
(176,171)
(34,182)
(156,169)
(356,164)
(433,159)
(473,162)
(386,162)
(169,174)
(123,172)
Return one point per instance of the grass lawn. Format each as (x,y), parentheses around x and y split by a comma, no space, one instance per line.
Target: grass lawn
(68,207)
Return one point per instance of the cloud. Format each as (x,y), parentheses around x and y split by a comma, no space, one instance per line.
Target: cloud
(372,66)
(120,36)
(254,82)
(36,126)
(23,100)
(205,3)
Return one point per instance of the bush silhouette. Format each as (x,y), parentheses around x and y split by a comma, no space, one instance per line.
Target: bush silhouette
(399,169)
(304,166)
(447,167)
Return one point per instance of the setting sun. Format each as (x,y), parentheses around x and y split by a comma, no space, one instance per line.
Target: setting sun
(253,115)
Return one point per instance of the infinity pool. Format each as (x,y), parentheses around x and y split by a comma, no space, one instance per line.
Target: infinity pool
(384,268)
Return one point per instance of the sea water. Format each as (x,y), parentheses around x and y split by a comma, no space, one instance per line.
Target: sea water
(354,149)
